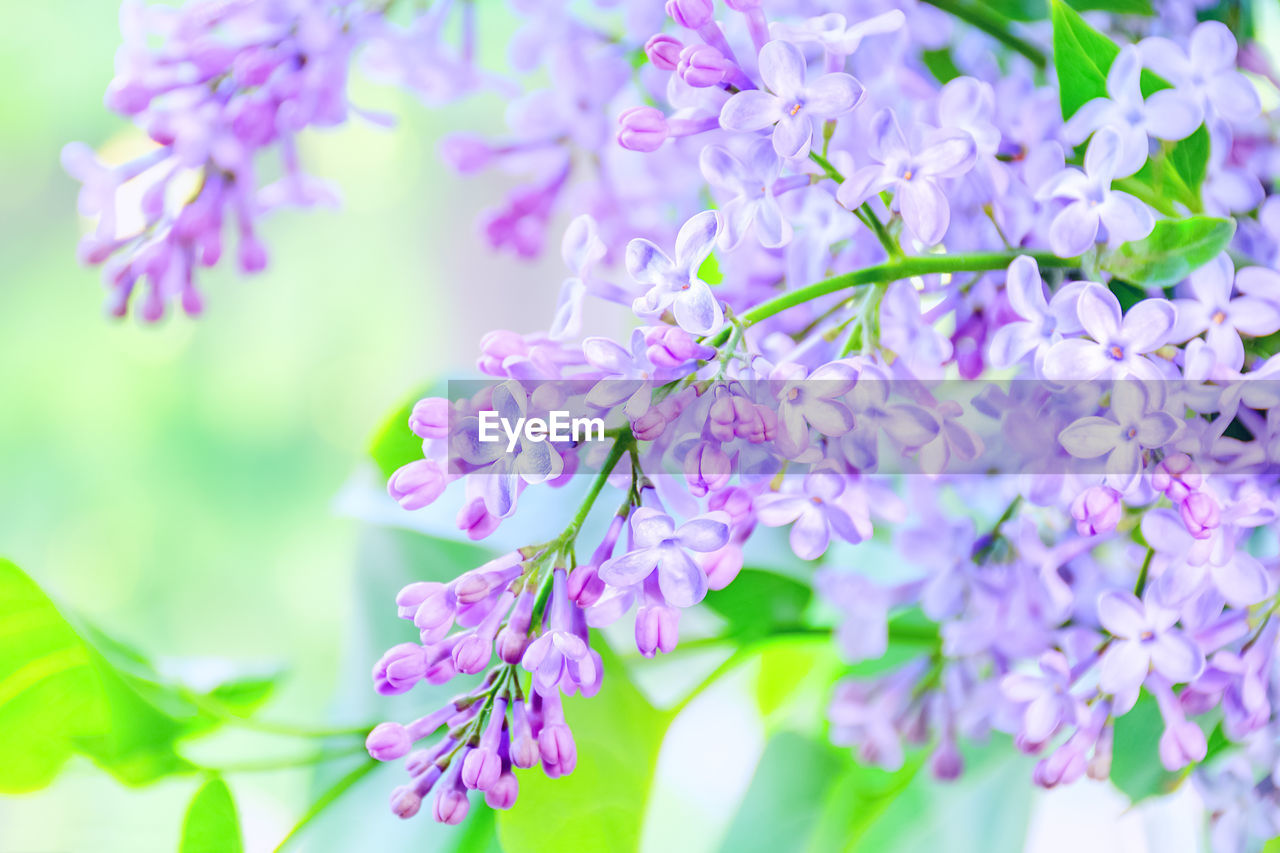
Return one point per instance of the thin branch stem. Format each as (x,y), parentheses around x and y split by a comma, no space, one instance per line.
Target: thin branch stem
(888,272)
(993,25)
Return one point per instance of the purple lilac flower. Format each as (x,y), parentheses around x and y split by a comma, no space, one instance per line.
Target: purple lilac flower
(1206,72)
(1138,422)
(753,202)
(790,106)
(1167,114)
(675,284)
(912,174)
(1092,203)
(1212,310)
(1045,699)
(1144,639)
(1043,321)
(813,513)
(662,547)
(1120,344)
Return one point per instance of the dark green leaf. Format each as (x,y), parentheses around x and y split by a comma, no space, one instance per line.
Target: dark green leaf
(1115,7)
(758,602)
(1038,10)
(1172,251)
(211,825)
(1135,756)
(50,692)
(394,445)
(1189,158)
(600,806)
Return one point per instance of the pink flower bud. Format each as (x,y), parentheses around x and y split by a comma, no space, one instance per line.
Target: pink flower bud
(399,669)
(417,484)
(502,794)
(643,129)
(690,14)
(388,741)
(722,566)
(663,51)
(1097,510)
(650,425)
(701,65)
(481,769)
(1176,476)
(1200,514)
(405,802)
(472,653)
(451,806)
(707,468)
(430,418)
(657,629)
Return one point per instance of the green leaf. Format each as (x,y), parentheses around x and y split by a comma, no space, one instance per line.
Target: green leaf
(1082,57)
(758,602)
(601,805)
(211,825)
(710,271)
(780,809)
(941,65)
(1135,755)
(394,445)
(50,691)
(1173,250)
(1038,10)
(1115,7)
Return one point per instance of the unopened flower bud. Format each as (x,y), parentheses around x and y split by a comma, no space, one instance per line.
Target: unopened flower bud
(1200,514)
(663,51)
(399,669)
(1177,477)
(701,65)
(388,741)
(643,129)
(430,418)
(502,794)
(1097,510)
(690,14)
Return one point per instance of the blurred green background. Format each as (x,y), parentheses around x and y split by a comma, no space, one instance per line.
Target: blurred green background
(173,483)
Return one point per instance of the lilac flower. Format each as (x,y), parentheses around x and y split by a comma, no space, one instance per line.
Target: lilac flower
(661,546)
(1137,422)
(1144,639)
(1043,321)
(1093,204)
(912,173)
(1212,310)
(675,284)
(1120,344)
(838,37)
(1046,699)
(790,106)
(753,201)
(1167,114)
(811,400)
(813,513)
(864,631)
(1206,73)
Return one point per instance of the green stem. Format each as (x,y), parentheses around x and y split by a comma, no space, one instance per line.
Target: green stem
(993,25)
(888,272)
(611,461)
(1142,573)
(328,797)
(271,764)
(865,214)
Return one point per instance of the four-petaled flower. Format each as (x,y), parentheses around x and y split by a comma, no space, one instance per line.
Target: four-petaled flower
(675,284)
(660,545)
(753,202)
(1206,72)
(1120,344)
(1143,638)
(912,173)
(1093,204)
(813,513)
(790,106)
(1135,424)
(1212,310)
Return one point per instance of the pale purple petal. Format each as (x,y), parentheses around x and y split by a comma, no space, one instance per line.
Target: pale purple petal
(1125,217)
(1253,316)
(833,95)
(924,209)
(949,157)
(651,527)
(1148,324)
(810,534)
(1176,657)
(1122,614)
(782,68)
(697,239)
(682,582)
(862,185)
(697,310)
(1025,289)
(792,135)
(752,109)
(1073,230)
(703,534)
(647,263)
(1212,47)
(1242,580)
(1075,359)
(1089,438)
(887,141)
(630,568)
(1123,667)
(1172,115)
(776,510)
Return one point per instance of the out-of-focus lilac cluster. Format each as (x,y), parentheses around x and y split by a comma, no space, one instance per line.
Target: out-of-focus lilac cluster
(819,204)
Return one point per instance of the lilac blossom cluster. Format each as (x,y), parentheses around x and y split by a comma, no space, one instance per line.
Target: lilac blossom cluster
(805,211)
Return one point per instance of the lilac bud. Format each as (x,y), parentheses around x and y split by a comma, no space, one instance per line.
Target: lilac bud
(657,628)
(409,599)
(451,805)
(405,802)
(706,468)
(721,419)
(466,152)
(947,762)
(1097,510)
(701,65)
(417,484)
(388,741)
(481,768)
(585,586)
(643,129)
(419,760)
(671,346)
(1181,744)
(722,566)
(663,51)
(559,752)
(475,520)
(524,748)
(399,669)
(1200,514)
(473,653)
(650,425)
(502,794)
(690,14)
(435,610)
(430,418)
(513,639)
(1064,766)
(1176,476)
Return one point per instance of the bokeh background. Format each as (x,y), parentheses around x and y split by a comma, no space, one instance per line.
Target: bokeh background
(178,484)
